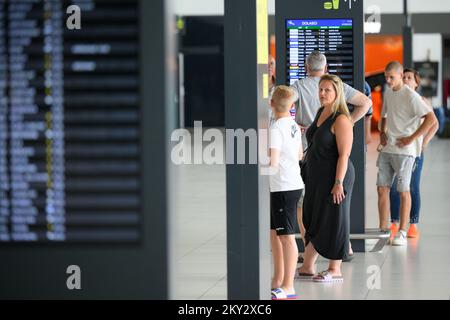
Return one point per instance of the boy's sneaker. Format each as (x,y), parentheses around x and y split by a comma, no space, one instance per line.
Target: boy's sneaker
(413,232)
(400,238)
(394,229)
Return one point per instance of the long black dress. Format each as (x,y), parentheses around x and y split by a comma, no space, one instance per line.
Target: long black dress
(327,225)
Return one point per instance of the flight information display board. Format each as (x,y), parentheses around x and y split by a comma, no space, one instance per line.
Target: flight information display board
(69,122)
(332,37)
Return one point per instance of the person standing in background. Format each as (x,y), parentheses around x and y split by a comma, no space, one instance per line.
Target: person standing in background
(411,78)
(272,84)
(401,127)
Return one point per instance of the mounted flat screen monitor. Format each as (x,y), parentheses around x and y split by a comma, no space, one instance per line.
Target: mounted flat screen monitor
(332,37)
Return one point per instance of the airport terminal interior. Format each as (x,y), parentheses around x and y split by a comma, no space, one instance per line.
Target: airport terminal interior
(416,271)
(116,179)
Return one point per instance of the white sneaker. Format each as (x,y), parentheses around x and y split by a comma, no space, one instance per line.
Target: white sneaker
(400,238)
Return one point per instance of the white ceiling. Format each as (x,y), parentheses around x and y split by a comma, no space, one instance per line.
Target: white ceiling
(216,7)
(414,6)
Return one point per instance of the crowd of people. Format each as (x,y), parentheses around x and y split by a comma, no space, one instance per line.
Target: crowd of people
(315,196)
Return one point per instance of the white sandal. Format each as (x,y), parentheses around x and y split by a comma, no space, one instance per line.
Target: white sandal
(326,276)
(280,294)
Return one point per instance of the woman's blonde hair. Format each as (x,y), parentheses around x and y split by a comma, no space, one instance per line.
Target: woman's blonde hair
(339,104)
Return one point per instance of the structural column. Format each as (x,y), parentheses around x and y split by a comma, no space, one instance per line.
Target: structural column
(158,61)
(407,38)
(246,107)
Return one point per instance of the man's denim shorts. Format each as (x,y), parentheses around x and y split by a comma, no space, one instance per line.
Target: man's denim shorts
(391,165)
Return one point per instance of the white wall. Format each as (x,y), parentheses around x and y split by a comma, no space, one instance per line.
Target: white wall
(433,42)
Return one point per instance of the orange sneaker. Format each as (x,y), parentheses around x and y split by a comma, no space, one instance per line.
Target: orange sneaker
(394,230)
(413,232)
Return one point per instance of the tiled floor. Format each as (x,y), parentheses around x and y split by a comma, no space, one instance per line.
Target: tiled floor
(419,271)
(201,264)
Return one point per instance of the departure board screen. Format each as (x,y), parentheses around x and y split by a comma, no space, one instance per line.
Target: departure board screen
(69,122)
(332,37)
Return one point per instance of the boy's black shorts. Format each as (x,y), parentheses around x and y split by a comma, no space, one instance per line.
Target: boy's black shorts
(283,211)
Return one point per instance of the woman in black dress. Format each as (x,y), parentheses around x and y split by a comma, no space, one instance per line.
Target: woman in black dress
(329,179)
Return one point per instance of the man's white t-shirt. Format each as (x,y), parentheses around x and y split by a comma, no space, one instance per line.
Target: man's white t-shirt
(403,110)
(285,136)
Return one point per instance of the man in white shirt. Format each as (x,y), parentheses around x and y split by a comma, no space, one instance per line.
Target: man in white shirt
(286,185)
(401,126)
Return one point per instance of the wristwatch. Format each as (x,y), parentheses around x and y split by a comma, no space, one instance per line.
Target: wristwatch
(338,182)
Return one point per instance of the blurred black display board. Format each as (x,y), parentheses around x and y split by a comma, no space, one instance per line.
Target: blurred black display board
(85,172)
(69,122)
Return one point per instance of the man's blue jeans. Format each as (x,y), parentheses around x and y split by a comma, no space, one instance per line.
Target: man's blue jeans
(415,194)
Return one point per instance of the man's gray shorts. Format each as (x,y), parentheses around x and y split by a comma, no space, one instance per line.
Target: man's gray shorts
(391,165)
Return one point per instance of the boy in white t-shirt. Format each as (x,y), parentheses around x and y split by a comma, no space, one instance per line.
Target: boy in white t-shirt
(401,126)
(286,186)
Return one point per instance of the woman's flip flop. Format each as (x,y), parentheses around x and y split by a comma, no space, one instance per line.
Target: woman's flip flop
(303,276)
(326,276)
